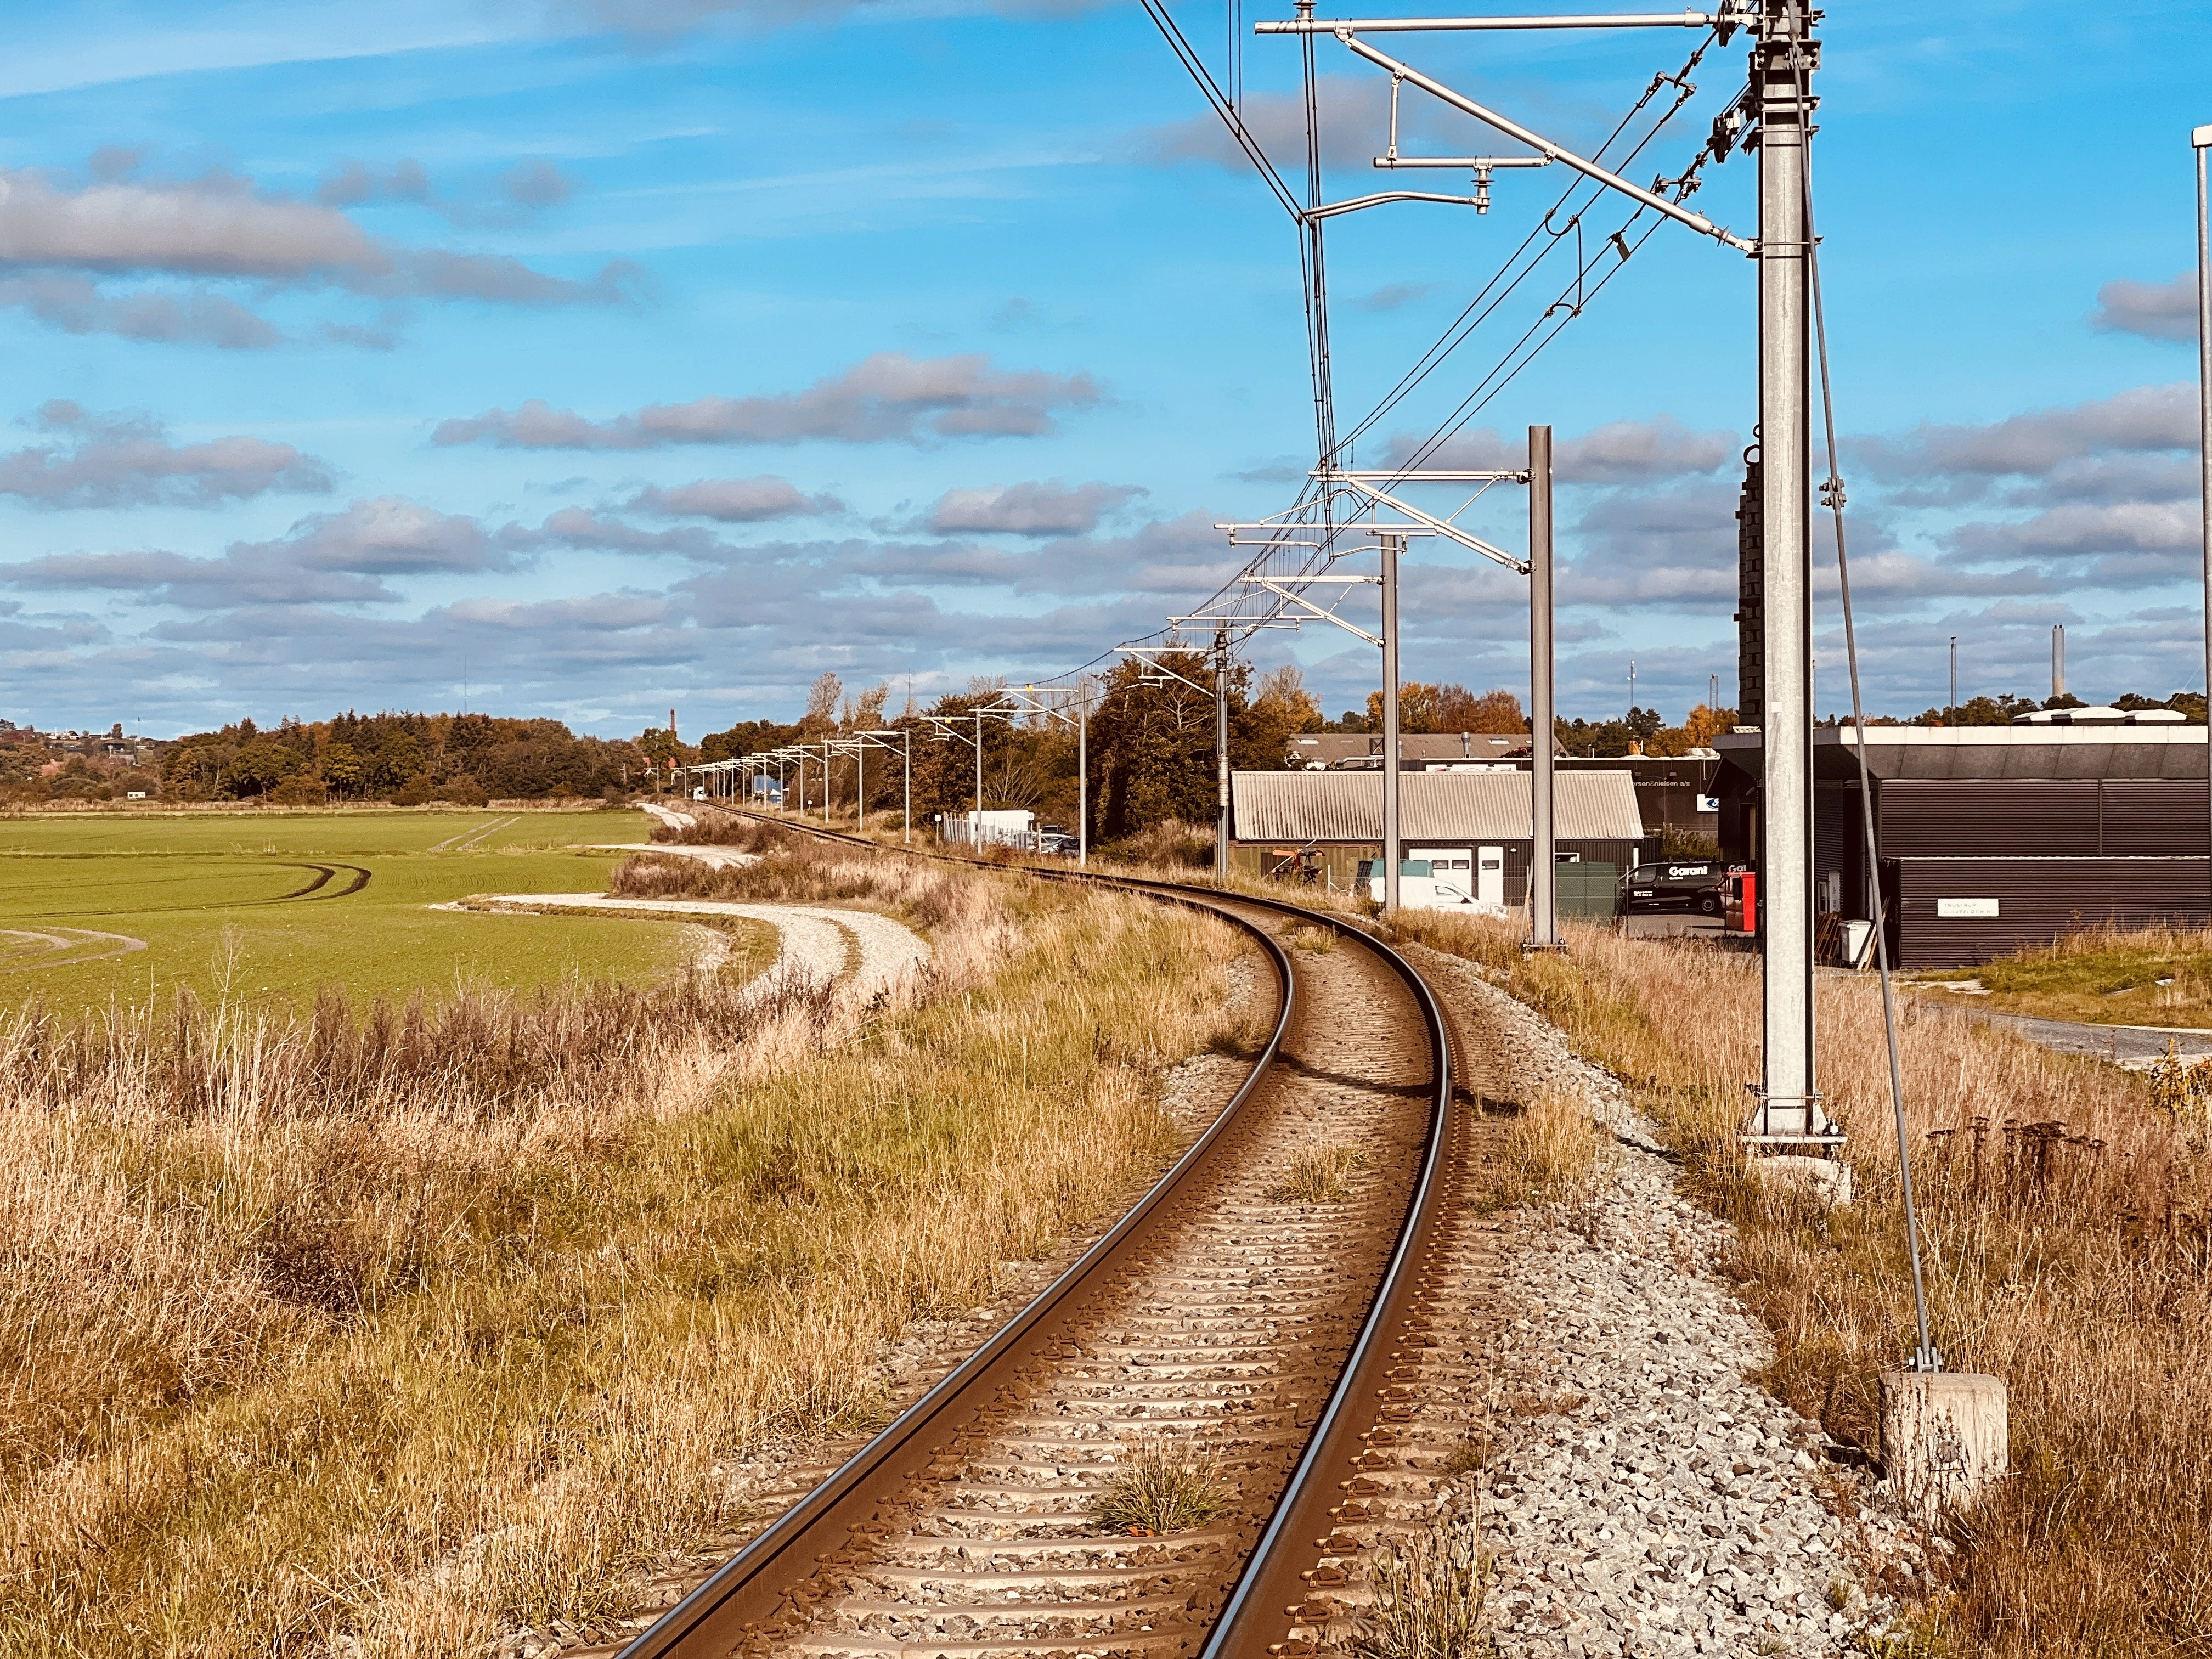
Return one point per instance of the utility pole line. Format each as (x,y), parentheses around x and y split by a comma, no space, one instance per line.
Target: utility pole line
(2201,141)
(1543,858)
(1393,545)
(1782,65)
(1221,754)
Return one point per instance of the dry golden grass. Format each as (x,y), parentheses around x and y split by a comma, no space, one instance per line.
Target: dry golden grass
(1318,1175)
(1551,1148)
(1429,1594)
(301,1347)
(2069,1221)
(1161,1486)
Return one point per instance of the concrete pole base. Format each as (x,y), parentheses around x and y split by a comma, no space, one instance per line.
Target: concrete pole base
(1826,1180)
(1944,1438)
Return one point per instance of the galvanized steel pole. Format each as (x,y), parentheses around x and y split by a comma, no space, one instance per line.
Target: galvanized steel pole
(907,826)
(1543,860)
(1780,68)
(1221,756)
(1392,546)
(2201,141)
(1083,784)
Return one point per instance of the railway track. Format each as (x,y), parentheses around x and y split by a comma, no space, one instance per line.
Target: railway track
(1294,1350)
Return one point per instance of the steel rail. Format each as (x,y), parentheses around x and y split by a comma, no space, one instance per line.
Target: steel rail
(1259,1613)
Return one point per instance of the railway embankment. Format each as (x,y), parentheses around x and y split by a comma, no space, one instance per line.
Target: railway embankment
(405,1332)
(1639,1492)
(2064,1204)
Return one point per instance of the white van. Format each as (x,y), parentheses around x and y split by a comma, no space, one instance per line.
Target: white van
(1444,878)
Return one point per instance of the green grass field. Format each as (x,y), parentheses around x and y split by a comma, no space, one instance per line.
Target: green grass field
(269,908)
(2157,976)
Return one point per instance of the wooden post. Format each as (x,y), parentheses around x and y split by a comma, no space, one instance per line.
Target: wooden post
(1944,1438)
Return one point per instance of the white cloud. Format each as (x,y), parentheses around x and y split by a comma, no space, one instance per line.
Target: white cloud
(77,304)
(731,500)
(887,397)
(1619,452)
(391,535)
(2149,418)
(113,461)
(1046,508)
(2156,311)
(61,244)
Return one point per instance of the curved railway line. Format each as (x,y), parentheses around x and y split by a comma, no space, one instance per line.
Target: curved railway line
(1306,1352)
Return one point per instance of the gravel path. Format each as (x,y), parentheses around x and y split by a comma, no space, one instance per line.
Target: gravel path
(2131,1047)
(714,858)
(818,943)
(1645,1498)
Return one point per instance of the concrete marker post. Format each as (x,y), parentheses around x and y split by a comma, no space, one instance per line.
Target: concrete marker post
(1945,1439)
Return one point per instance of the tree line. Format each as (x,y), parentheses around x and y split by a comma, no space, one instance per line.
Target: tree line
(405,758)
(1150,747)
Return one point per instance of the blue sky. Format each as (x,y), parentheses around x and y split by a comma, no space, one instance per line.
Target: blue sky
(600,356)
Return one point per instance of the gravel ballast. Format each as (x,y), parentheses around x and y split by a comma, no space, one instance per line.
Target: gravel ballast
(1642,1495)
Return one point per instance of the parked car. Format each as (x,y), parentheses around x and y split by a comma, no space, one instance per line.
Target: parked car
(1696,884)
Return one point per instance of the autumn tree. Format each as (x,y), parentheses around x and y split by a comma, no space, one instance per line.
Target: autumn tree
(343,770)
(1704,723)
(1457,710)
(1425,707)
(865,712)
(1152,744)
(821,715)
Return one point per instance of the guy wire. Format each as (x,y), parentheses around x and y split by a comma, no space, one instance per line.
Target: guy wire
(1926,1358)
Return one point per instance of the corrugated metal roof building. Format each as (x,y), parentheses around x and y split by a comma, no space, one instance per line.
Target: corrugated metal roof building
(1989,839)
(1336,819)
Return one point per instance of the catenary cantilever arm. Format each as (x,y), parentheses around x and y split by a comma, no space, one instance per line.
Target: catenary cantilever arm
(1664,20)
(1544,147)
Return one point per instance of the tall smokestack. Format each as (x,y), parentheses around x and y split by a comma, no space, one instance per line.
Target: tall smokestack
(672,722)
(2057,662)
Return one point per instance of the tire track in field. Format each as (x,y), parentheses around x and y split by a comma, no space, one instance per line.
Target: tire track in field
(465,841)
(324,874)
(51,949)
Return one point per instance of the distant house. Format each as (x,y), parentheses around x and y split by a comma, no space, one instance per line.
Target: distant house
(1672,791)
(1319,825)
(1988,839)
(1424,751)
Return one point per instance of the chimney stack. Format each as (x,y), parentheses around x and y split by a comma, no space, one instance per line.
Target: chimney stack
(2058,661)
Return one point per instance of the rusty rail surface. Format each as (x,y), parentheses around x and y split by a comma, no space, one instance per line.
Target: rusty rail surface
(1264,1604)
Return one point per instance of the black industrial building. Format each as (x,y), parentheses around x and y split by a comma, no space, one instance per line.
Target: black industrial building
(1990,839)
